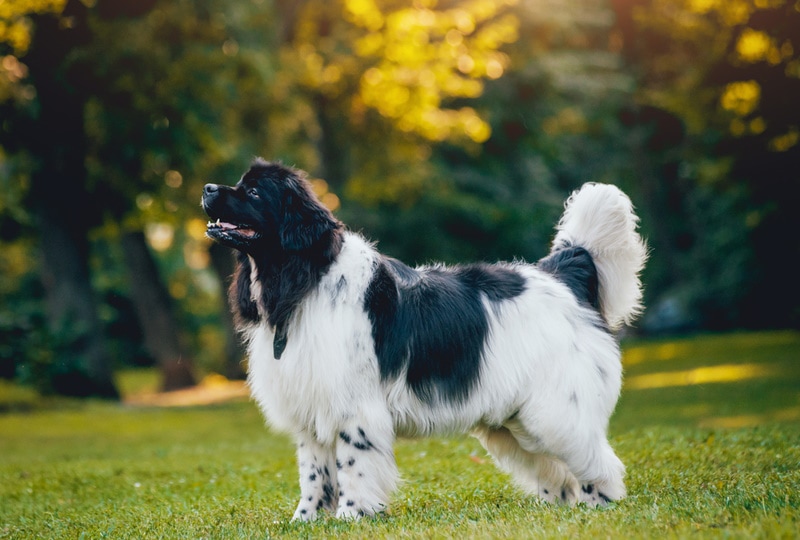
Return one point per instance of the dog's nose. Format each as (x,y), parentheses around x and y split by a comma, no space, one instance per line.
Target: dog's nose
(210,189)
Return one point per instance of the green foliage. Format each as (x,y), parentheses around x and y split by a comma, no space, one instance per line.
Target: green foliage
(718,81)
(553,126)
(15,24)
(445,130)
(101,470)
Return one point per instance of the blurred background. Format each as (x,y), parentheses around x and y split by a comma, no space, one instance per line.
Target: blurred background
(445,130)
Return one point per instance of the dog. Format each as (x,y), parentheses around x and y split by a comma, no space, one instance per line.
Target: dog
(349,348)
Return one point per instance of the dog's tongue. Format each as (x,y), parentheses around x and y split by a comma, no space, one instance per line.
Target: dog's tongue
(226,226)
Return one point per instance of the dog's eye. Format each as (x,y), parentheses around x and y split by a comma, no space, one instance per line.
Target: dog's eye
(253,192)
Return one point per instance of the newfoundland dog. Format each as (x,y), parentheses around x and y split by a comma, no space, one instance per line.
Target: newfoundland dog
(349,348)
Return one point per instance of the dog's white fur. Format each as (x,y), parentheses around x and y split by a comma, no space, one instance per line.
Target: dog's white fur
(550,375)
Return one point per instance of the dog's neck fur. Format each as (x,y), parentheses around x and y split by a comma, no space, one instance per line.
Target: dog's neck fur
(270,284)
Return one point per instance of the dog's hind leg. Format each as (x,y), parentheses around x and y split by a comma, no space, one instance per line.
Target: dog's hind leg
(318,483)
(583,449)
(600,473)
(366,467)
(535,473)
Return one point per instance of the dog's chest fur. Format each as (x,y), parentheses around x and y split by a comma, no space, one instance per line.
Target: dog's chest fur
(331,321)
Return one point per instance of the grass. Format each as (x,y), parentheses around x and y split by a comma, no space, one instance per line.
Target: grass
(708,427)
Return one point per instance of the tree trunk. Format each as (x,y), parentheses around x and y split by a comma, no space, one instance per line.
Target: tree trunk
(82,366)
(64,206)
(154,308)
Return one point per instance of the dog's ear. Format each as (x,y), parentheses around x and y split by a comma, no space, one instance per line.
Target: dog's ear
(305,219)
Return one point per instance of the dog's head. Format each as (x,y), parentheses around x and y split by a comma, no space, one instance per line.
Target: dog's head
(271,207)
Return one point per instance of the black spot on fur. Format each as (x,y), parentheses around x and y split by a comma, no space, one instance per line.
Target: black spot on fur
(351,503)
(432,323)
(588,489)
(351,462)
(279,342)
(340,285)
(312,477)
(345,437)
(574,267)
(601,372)
(327,493)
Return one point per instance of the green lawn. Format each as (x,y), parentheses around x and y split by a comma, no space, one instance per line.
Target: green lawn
(708,427)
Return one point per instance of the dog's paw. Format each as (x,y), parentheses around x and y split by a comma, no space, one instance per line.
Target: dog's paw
(304,514)
(310,509)
(349,514)
(591,496)
(600,494)
(350,510)
(567,493)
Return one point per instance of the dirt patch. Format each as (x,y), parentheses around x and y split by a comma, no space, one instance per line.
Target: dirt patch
(212,389)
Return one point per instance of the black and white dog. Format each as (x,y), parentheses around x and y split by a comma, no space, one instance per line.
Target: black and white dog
(349,348)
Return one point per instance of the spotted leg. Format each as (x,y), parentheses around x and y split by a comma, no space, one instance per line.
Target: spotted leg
(366,468)
(318,485)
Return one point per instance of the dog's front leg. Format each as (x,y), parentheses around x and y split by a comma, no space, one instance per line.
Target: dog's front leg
(318,485)
(366,468)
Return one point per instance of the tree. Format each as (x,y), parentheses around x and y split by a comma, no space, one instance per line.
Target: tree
(551,125)
(81,115)
(55,140)
(719,79)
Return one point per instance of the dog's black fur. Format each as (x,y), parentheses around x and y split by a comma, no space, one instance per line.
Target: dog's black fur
(273,217)
(449,301)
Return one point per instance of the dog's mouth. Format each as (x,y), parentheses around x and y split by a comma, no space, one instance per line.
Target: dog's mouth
(221,230)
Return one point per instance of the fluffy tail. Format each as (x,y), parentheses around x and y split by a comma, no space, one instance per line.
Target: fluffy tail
(600,219)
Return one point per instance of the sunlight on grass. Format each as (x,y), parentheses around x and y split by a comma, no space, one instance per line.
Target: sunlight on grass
(726,344)
(730,380)
(703,375)
(751,420)
(213,388)
(141,387)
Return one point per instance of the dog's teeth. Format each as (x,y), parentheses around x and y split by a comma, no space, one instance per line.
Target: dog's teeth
(217,222)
